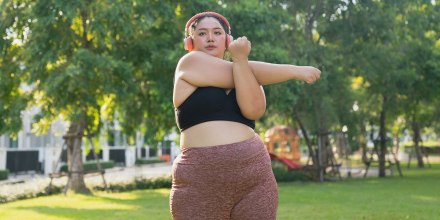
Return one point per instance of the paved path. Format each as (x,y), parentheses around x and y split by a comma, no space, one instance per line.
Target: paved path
(147,171)
(23,184)
(26,182)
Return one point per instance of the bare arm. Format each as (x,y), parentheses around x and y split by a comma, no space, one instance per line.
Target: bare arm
(269,73)
(250,95)
(200,69)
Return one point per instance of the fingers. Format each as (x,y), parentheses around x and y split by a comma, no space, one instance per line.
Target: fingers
(313,75)
(242,40)
(317,74)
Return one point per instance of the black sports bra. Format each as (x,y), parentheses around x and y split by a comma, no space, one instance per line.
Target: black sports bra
(210,104)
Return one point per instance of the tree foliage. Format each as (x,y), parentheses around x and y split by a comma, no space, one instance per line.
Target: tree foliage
(93,61)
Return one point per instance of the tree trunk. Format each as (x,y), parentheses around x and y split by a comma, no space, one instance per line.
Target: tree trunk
(74,157)
(416,140)
(363,142)
(397,141)
(383,139)
(306,138)
(324,141)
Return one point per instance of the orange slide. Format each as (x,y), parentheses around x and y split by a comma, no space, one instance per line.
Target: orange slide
(291,165)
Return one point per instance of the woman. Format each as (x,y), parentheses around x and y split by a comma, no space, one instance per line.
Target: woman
(224,170)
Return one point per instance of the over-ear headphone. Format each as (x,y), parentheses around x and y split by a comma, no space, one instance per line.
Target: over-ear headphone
(188,41)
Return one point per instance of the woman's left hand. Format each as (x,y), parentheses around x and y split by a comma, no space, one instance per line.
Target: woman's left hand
(310,74)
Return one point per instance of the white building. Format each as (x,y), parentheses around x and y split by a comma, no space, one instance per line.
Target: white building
(32,153)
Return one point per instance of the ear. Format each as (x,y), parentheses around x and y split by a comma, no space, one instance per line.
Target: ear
(229,39)
(188,43)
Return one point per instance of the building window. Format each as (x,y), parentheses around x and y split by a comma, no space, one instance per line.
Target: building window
(111,137)
(13,142)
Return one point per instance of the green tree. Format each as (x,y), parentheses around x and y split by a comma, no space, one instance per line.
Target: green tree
(86,60)
(323,107)
(372,42)
(381,45)
(13,98)
(419,36)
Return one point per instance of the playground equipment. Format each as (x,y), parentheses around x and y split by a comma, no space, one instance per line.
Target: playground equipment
(282,142)
(70,137)
(390,158)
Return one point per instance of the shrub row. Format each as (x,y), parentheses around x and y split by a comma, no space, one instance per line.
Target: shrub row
(4,174)
(92,166)
(43,190)
(148,161)
(282,174)
(139,183)
(28,193)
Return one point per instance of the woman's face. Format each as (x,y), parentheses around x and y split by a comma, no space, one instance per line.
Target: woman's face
(209,37)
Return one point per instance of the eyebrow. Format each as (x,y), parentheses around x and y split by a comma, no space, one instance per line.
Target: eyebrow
(204,29)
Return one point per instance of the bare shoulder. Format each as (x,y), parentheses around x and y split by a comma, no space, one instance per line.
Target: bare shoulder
(198,69)
(199,61)
(182,89)
(190,59)
(187,63)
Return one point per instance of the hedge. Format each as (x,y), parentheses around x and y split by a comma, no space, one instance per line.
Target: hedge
(138,184)
(282,174)
(92,166)
(43,190)
(148,161)
(4,174)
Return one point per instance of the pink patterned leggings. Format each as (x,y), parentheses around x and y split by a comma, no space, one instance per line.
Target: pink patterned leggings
(231,181)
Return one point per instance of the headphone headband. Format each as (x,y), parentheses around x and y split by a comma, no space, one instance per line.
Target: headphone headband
(207,13)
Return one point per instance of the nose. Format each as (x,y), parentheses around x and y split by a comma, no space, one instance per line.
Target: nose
(210,37)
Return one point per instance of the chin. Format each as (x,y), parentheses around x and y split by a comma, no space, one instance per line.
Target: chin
(216,54)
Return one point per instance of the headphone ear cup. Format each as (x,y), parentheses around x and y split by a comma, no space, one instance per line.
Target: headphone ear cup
(188,43)
(229,39)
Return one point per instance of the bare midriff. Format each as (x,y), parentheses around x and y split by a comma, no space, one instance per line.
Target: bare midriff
(213,133)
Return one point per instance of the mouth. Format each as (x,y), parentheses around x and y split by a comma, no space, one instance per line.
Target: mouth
(211,47)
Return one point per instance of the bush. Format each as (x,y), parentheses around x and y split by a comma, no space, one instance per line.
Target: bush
(139,183)
(92,166)
(148,161)
(18,192)
(4,174)
(282,174)
(13,192)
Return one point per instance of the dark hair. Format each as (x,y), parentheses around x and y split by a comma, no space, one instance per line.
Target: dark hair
(222,23)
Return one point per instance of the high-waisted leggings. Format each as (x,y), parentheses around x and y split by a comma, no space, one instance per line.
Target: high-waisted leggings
(231,181)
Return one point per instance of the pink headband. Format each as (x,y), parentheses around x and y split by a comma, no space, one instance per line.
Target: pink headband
(199,15)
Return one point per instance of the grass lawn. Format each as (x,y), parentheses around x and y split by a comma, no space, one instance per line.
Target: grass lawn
(415,196)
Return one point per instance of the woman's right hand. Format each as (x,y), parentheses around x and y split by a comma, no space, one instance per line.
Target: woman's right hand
(240,49)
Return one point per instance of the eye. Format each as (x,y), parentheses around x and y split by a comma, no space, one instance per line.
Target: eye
(202,34)
(218,33)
